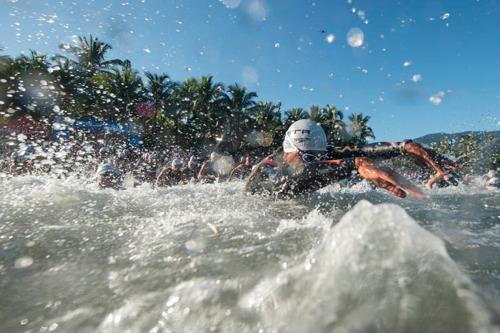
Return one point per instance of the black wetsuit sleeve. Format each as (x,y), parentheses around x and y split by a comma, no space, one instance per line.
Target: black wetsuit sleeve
(294,180)
(316,175)
(373,150)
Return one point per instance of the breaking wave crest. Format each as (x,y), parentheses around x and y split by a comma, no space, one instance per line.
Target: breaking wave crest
(200,258)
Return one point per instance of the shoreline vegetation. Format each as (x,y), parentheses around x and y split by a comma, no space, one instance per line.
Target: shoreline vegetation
(82,83)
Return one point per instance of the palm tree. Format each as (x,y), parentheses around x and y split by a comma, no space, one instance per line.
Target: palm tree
(266,116)
(208,106)
(34,61)
(158,88)
(34,89)
(359,129)
(7,71)
(331,120)
(266,123)
(315,113)
(90,54)
(293,115)
(114,94)
(237,102)
(126,86)
(179,116)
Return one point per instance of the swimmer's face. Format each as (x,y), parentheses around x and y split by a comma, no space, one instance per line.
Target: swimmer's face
(292,158)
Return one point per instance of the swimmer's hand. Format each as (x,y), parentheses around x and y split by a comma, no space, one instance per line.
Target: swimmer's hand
(387,179)
(444,168)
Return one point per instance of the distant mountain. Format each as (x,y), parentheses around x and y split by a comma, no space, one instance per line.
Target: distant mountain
(454,138)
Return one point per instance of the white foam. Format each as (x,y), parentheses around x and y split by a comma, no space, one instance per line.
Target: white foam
(376,271)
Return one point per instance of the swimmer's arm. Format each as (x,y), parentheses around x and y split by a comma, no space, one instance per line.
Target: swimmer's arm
(387,179)
(158,182)
(202,172)
(235,169)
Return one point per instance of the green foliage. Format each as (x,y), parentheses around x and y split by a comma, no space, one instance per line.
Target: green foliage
(189,114)
(359,129)
(468,151)
(444,147)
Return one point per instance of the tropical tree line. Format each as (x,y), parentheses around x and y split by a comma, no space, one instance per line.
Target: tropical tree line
(474,153)
(83,82)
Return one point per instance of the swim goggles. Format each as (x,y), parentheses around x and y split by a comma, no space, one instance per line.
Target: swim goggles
(312,157)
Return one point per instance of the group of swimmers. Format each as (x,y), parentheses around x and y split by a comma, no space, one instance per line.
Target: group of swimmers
(175,171)
(304,164)
(108,164)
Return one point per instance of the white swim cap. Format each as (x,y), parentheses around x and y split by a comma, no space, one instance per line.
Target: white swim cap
(108,169)
(176,163)
(104,150)
(304,135)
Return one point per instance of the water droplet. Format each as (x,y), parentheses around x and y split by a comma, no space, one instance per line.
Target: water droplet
(23,262)
(445,16)
(195,246)
(257,11)
(147,50)
(416,78)
(355,37)
(437,98)
(407,63)
(231,4)
(330,38)
(172,300)
(277,45)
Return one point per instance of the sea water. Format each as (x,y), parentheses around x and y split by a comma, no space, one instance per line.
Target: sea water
(211,258)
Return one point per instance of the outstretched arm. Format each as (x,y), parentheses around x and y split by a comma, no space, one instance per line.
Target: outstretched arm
(424,157)
(444,167)
(159,180)
(386,178)
(235,169)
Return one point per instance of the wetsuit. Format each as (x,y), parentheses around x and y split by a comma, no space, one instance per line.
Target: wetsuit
(171,177)
(191,173)
(287,181)
(373,150)
(272,178)
(493,183)
(242,171)
(245,171)
(210,175)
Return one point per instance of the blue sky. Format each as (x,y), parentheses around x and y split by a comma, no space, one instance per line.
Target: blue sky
(412,50)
